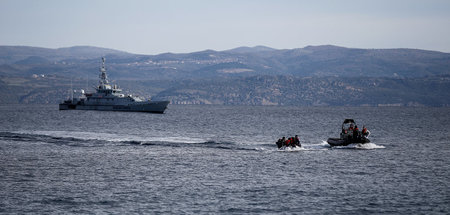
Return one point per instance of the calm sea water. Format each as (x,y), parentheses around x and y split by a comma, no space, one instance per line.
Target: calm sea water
(222,159)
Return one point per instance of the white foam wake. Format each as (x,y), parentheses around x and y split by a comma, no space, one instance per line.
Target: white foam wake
(361,146)
(112,137)
(369,146)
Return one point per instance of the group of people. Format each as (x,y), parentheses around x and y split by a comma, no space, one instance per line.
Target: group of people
(289,142)
(355,132)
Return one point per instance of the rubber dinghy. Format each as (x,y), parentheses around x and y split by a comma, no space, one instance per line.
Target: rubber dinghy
(291,142)
(350,134)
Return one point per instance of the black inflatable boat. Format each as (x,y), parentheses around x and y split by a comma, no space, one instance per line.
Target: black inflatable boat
(350,134)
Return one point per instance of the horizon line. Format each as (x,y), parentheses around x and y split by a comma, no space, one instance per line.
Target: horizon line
(230,49)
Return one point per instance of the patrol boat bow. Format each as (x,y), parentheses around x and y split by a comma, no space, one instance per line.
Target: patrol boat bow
(110,98)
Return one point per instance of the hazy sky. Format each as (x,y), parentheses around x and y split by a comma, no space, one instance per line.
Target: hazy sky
(152,27)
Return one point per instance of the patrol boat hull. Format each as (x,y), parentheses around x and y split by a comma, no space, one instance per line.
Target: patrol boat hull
(151,107)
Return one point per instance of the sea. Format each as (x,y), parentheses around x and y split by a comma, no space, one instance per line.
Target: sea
(206,159)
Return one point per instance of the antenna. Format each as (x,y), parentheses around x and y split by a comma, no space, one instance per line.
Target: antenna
(71,89)
(87,82)
(103,76)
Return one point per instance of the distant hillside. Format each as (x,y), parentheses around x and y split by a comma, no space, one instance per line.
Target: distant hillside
(252,90)
(246,49)
(311,61)
(314,75)
(17,54)
(331,91)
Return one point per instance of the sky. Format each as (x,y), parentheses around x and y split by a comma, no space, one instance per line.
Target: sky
(160,26)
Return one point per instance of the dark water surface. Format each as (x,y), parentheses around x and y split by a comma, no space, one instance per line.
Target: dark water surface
(222,159)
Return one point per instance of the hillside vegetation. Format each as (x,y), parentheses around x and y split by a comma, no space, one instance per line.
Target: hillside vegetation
(314,75)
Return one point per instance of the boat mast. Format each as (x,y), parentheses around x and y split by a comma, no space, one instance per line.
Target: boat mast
(103,77)
(71,89)
(87,83)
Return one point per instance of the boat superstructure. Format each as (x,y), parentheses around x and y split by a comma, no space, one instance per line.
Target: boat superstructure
(110,98)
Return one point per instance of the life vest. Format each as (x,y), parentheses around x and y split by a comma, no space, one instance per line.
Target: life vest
(364,130)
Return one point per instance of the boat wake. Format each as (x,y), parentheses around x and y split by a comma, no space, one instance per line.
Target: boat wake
(311,147)
(271,147)
(92,139)
(366,146)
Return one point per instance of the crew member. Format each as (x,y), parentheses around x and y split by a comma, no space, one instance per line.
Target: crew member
(355,132)
(292,141)
(351,127)
(279,143)
(297,141)
(365,132)
(287,142)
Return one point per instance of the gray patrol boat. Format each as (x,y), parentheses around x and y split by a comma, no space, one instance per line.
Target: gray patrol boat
(110,98)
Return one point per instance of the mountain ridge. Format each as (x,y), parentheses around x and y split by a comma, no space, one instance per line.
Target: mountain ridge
(12,54)
(310,61)
(310,76)
(247,49)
